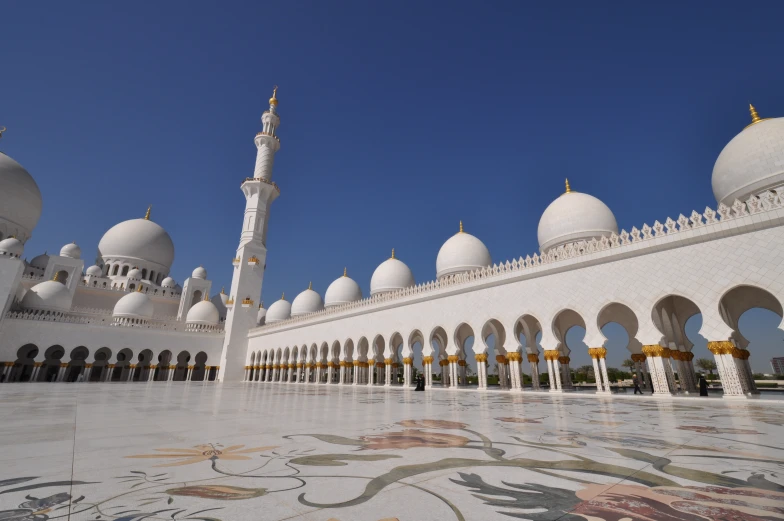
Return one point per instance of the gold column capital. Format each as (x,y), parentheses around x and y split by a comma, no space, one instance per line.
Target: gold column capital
(723,347)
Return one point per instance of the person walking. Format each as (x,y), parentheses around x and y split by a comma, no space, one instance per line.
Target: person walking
(636,383)
(703,386)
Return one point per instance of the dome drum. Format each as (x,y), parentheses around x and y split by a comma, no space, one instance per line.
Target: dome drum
(11,247)
(137,243)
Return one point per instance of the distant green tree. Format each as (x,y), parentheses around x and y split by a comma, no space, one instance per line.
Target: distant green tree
(706,364)
(628,363)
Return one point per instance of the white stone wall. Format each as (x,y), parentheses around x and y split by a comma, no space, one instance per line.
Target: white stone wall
(15,333)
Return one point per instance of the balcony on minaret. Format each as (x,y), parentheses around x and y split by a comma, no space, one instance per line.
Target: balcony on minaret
(247,302)
(235,262)
(230,302)
(253,261)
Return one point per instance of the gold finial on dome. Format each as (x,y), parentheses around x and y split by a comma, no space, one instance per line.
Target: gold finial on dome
(206,297)
(223,290)
(274,99)
(283,296)
(393,253)
(261,304)
(345,272)
(461,227)
(139,288)
(310,285)
(568,188)
(147,215)
(754,116)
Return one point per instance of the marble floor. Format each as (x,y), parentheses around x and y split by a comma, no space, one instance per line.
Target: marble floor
(233,452)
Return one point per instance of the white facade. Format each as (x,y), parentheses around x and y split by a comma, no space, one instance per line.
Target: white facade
(127,315)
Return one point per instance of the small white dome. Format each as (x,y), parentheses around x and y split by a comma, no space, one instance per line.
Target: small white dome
(49,295)
(751,163)
(20,197)
(11,246)
(574,216)
(40,261)
(71,250)
(199,273)
(135,274)
(94,271)
(460,253)
(280,310)
(342,291)
(168,282)
(140,240)
(203,312)
(134,305)
(261,315)
(306,302)
(391,275)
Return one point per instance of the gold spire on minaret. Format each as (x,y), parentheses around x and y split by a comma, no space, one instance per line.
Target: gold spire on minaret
(393,253)
(568,188)
(345,271)
(461,227)
(223,290)
(274,99)
(147,215)
(754,116)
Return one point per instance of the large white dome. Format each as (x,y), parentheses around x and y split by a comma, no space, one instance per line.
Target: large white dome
(203,312)
(94,271)
(752,162)
(391,275)
(20,199)
(306,302)
(342,291)
(280,310)
(71,250)
(138,239)
(49,295)
(460,253)
(574,216)
(134,305)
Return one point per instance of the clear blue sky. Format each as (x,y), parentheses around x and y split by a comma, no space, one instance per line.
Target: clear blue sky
(398,120)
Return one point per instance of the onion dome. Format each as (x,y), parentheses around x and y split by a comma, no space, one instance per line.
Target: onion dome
(40,261)
(168,283)
(12,247)
(574,216)
(49,295)
(71,250)
(342,291)
(306,302)
(133,305)
(204,313)
(135,274)
(94,271)
(391,275)
(460,253)
(199,273)
(261,315)
(280,310)
(138,240)
(20,198)
(752,162)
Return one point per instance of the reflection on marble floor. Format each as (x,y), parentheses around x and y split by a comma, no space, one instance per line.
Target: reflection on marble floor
(180,451)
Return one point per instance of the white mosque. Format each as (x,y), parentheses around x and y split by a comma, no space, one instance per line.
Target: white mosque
(125,319)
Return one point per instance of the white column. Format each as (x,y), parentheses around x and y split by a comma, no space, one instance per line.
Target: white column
(533,361)
(605,378)
(444,365)
(481,370)
(88,369)
(6,372)
(728,370)
(407,371)
(170,374)
(371,372)
(131,370)
(61,372)
(500,363)
(427,369)
(151,373)
(653,354)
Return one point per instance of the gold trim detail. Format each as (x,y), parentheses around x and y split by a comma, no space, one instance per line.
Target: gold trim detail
(408,360)
(597,352)
(533,358)
(721,348)
(481,357)
(427,360)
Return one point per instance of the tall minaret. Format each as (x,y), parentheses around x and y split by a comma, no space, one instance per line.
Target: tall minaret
(250,260)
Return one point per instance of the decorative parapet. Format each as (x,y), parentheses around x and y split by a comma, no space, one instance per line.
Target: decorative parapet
(615,243)
(157,291)
(28,276)
(164,323)
(261,180)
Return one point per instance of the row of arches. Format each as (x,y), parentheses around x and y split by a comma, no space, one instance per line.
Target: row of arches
(79,365)
(449,354)
(122,269)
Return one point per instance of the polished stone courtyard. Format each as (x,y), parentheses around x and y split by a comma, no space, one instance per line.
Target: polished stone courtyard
(195,451)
